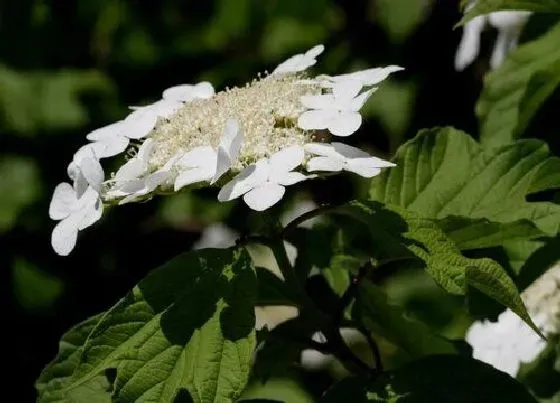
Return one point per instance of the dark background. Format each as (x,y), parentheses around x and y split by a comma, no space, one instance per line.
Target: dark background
(67,67)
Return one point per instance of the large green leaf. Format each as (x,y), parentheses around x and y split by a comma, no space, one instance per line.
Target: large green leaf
(513,93)
(488,6)
(187,329)
(54,379)
(410,236)
(443,172)
(448,379)
(391,322)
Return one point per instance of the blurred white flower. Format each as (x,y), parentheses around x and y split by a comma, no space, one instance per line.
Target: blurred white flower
(263,184)
(74,213)
(216,235)
(336,157)
(509,25)
(338,112)
(299,62)
(509,342)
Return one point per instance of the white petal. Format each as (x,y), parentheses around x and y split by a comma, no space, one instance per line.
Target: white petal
(145,150)
(356,103)
(347,89)
(204,156)
(93,172)
(132,169)
(314,120)
(191,176)
(347,151)
(155,179)
(287,178)
(163,108)
(139,123)
(107,132)
(370,76)
(62,202)
(508,20)
(470,43)
(504,42)
(362,167)
(299,62)
(287,159)
(322,149)
(230,145)
(326,164)
(64,236)
(90,215)
(189,92)
(109,147)
(318,101)
(345,123)
(253,175)
(264,196)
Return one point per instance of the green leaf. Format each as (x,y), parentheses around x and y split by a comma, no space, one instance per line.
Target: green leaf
(54,379)
(187,329)
(351,389)
(482,233)
(443,172)
(449,379)
(337,274)
(391,322)
(273,290)
(513,93)
(411,236)
(487,6)
(20,186)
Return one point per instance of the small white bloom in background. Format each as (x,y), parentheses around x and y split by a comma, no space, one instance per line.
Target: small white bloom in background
(338,112)
(336,157)
(253,133)
(74,213)
(263,184)
(509,25)
(299,62)
(216,235)
(509,342)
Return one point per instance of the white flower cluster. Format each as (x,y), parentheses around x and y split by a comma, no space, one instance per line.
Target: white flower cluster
(509,342)
(509,25)
(252,141)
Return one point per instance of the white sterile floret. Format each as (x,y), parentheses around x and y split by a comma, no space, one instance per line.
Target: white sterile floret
(263,184)
(114,138)
(299,62)
(204,164)
(74,213)
(338,112)
(336,157)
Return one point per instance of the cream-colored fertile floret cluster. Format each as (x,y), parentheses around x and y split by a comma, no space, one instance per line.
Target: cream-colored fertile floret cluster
(266,109)
(252,141)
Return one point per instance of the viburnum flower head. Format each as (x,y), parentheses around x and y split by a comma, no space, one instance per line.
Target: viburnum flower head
(252,141)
